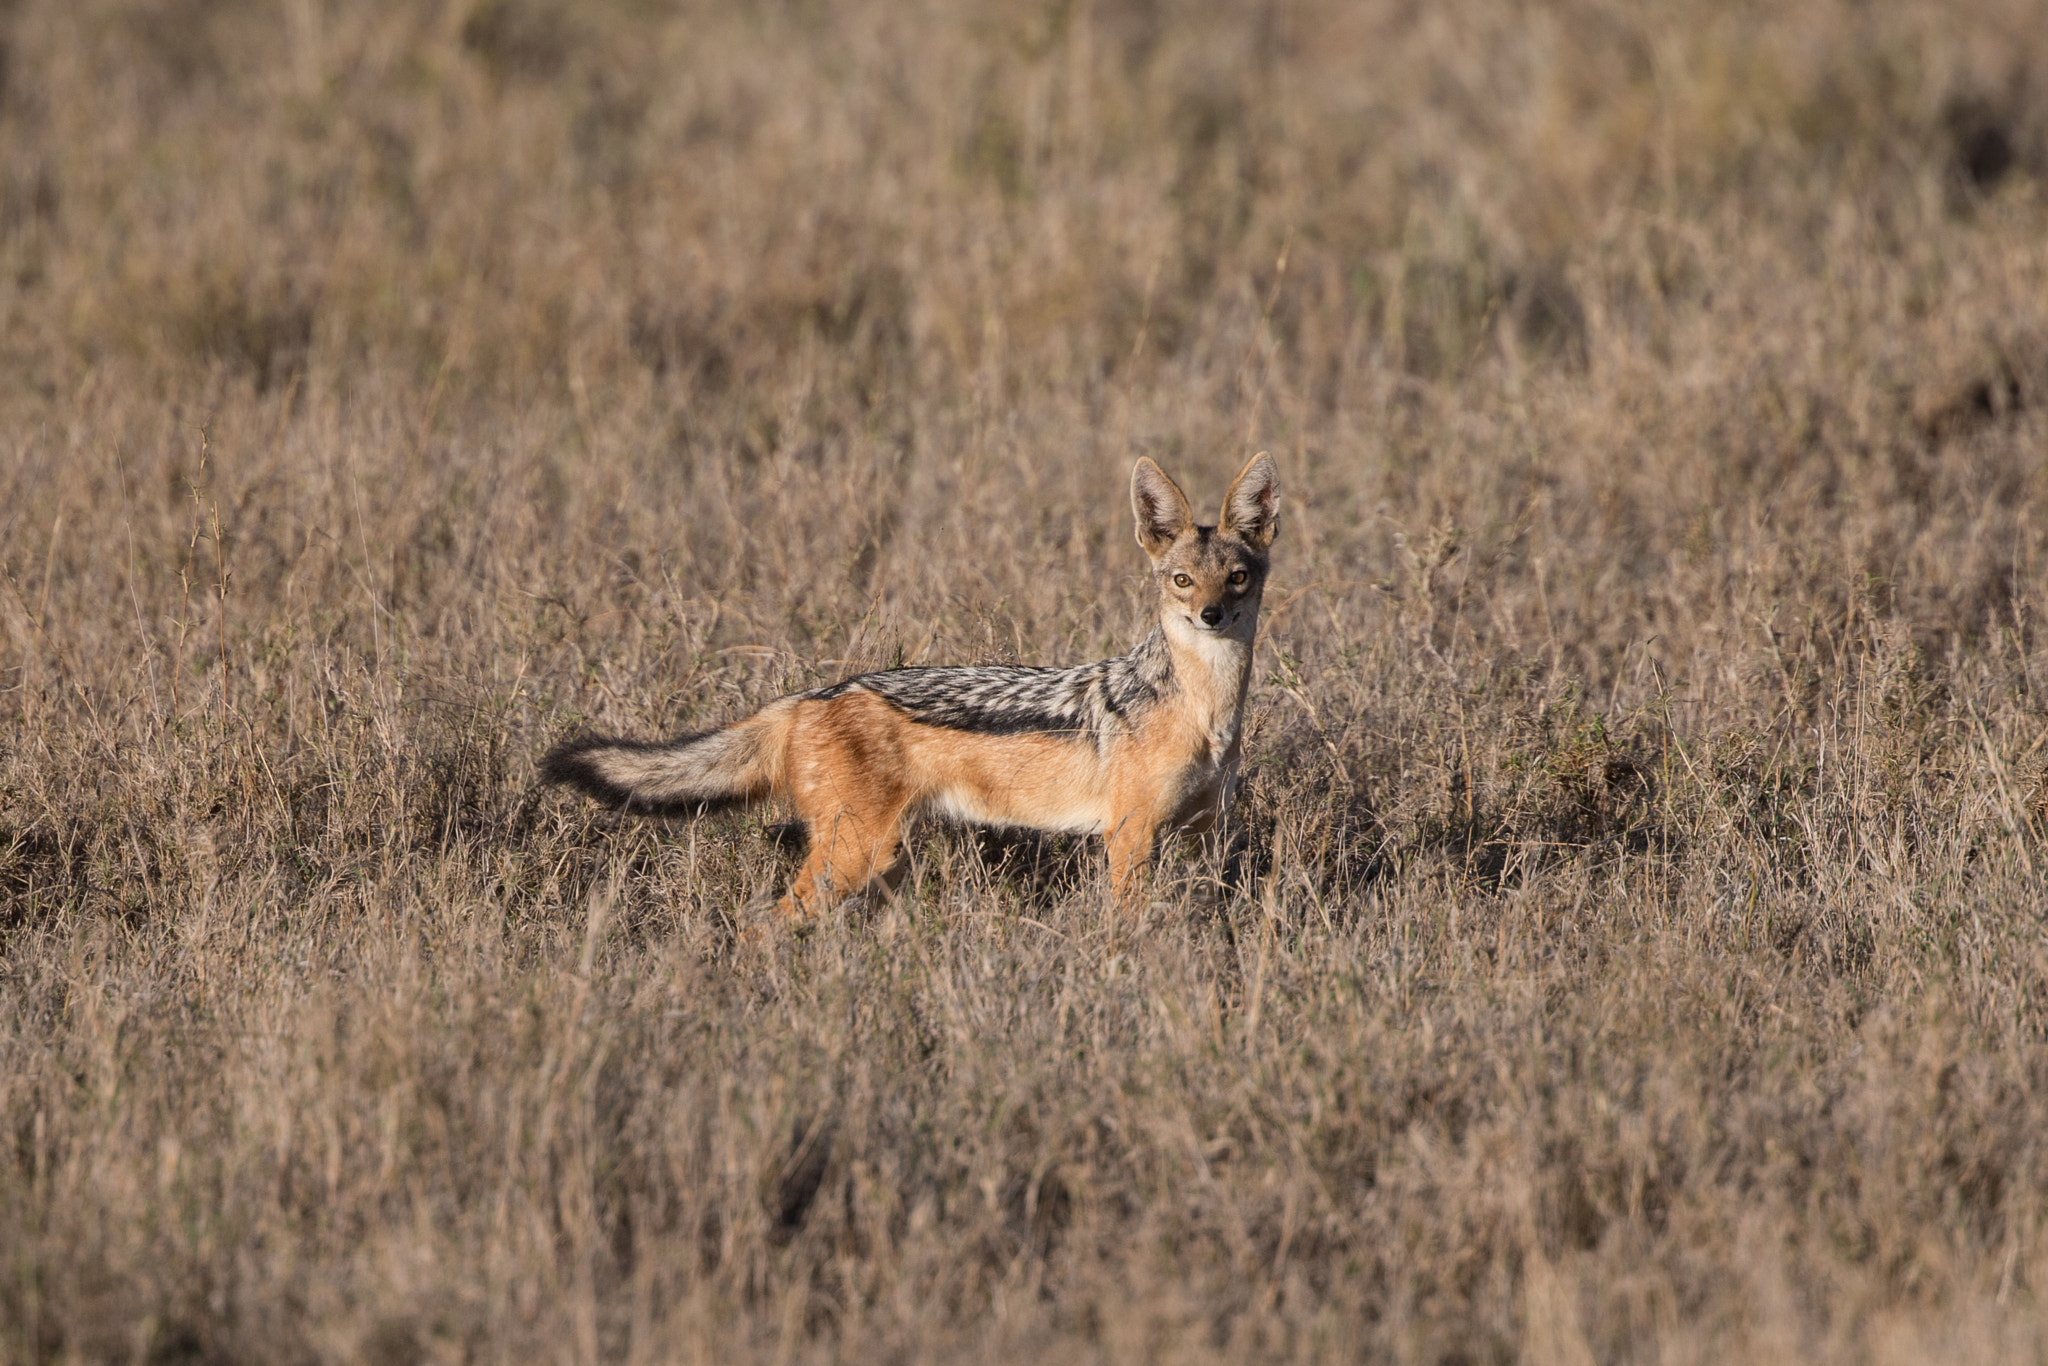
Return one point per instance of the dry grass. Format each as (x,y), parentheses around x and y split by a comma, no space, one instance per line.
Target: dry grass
(1635,951)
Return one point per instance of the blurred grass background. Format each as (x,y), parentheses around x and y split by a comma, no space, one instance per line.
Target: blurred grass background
(1635,947)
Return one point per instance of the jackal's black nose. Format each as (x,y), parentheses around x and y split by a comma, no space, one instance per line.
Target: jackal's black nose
(1212,615)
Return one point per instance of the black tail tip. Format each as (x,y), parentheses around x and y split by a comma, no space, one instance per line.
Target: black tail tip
(569,763)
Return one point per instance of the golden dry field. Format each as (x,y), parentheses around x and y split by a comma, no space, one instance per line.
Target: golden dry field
(1633,945)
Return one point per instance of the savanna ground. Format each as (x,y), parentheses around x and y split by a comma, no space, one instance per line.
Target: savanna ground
(1633,949)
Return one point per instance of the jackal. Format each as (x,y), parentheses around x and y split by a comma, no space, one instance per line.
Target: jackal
(1130,748)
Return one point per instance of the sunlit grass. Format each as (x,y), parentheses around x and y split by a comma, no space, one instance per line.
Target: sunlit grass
(1630,947)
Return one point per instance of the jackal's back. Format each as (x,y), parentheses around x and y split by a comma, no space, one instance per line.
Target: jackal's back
(1092,701)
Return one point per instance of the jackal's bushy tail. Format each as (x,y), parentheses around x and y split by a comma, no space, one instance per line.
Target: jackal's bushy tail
(690,773)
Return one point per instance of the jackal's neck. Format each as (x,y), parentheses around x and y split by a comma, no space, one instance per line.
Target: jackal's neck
(1145,673)
(1210,673)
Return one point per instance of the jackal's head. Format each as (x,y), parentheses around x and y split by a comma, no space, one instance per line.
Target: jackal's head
(1210,577)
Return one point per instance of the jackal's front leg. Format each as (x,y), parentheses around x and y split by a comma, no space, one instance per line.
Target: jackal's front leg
(1130,846)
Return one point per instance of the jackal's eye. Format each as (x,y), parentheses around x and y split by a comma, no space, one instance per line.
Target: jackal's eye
(1183,581)
(1238,576)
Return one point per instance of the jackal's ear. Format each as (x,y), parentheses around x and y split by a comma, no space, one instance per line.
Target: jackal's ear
(1162,509)
(1251,510)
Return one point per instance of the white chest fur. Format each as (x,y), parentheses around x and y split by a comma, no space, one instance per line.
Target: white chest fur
(1214,670)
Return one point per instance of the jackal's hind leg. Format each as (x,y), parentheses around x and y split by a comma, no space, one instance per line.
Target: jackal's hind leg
(847,853)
